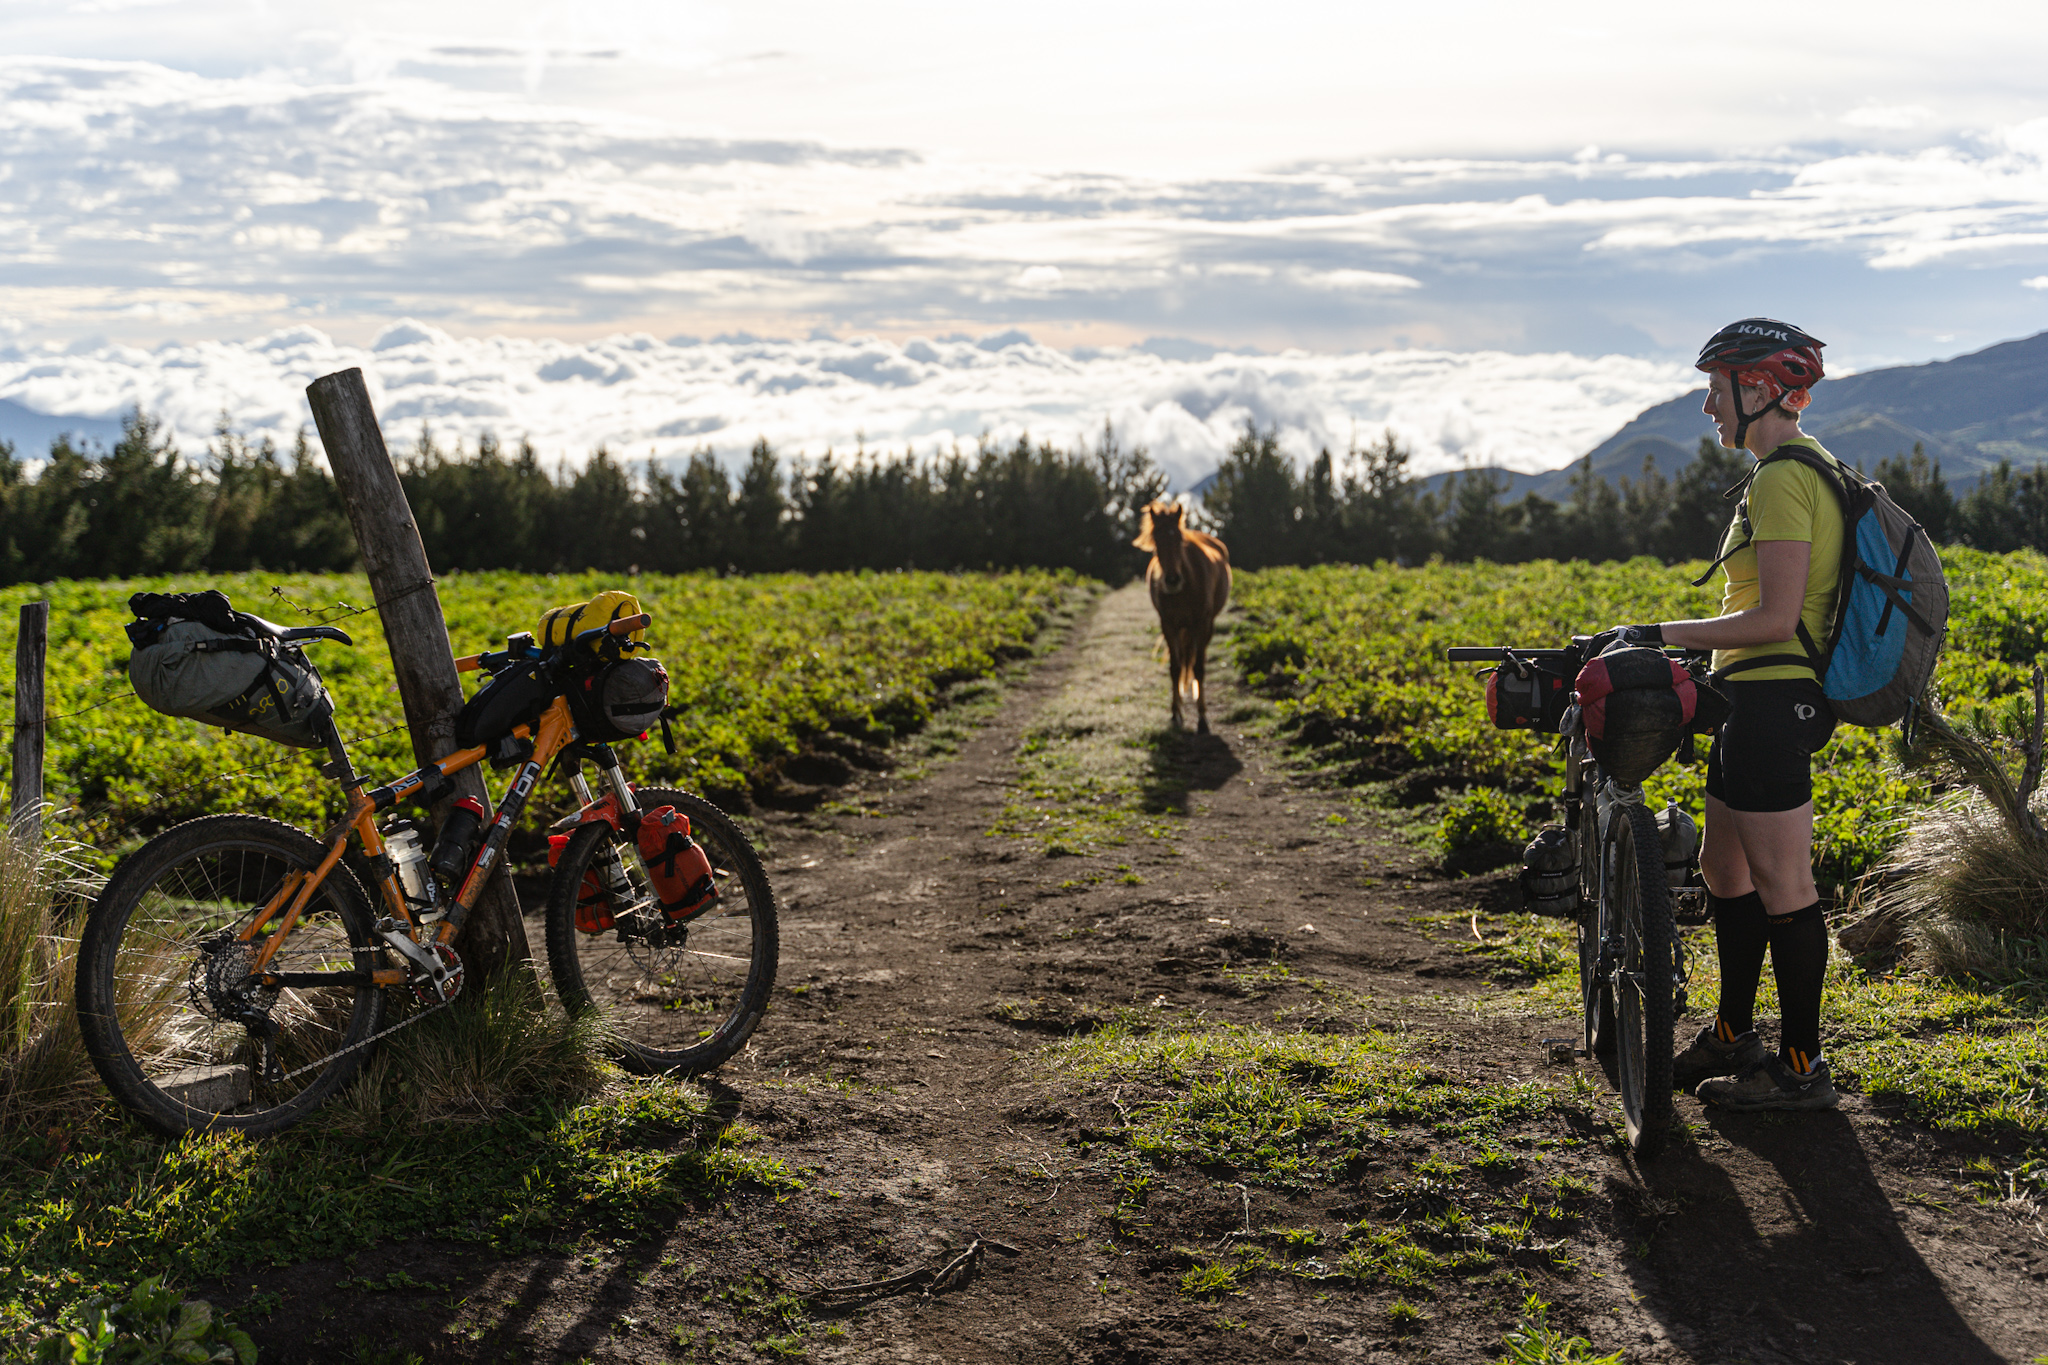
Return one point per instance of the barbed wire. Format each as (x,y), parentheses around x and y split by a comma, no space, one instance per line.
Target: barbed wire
(278,592)
(343,607)
(103,813)
(66,715)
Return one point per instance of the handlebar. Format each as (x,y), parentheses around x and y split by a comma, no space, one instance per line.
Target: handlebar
(493,660)
(625,625)
(1479,654)
(1475,654)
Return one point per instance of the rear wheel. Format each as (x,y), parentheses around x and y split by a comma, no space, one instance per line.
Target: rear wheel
(170,1015)
(1640,903)
(677,998)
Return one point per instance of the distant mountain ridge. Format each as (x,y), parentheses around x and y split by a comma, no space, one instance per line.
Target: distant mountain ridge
(1969,413)
(30,432)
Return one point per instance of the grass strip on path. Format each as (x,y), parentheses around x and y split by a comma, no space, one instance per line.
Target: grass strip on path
(1093,769)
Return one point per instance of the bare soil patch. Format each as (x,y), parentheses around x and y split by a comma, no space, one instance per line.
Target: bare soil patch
(909,1072)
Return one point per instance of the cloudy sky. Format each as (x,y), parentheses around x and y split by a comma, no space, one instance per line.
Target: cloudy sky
(1501,229)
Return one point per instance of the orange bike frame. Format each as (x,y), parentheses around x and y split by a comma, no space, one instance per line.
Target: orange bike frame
(551,735)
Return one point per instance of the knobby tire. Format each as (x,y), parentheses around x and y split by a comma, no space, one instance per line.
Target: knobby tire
(1640,902)
(1596,998)
(669,1009)
(162,929)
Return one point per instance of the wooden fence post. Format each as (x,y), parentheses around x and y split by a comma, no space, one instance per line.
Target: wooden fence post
(415,629)
(26,812)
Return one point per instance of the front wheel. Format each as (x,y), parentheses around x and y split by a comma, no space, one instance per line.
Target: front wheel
(1596,999)
(676,997)
(171,1015)
(1640,904)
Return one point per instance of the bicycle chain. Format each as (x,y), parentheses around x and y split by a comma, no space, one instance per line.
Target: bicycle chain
(330,1058)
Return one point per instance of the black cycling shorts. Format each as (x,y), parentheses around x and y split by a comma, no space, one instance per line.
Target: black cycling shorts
(1762,756)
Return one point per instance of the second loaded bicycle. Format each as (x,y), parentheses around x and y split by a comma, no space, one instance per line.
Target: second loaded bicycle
(235,971)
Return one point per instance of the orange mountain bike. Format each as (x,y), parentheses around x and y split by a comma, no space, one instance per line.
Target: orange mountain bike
(233,973)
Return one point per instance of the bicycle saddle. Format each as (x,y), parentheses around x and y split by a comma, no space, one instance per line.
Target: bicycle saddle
(293,634)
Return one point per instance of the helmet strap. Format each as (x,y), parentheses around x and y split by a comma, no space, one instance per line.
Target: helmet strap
(1743,419)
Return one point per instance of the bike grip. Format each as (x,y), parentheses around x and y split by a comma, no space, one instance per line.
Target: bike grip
(467,663)
(627,625)
(1472,654)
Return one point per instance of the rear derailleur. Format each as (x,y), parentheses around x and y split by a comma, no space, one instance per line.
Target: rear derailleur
(222,987)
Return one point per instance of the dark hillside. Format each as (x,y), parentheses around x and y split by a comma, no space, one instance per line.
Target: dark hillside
(1970,413)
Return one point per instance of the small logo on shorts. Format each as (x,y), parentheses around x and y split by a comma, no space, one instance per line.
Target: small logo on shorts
(1803,711)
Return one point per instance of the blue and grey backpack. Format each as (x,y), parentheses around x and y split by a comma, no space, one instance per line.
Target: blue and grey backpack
(1891,614)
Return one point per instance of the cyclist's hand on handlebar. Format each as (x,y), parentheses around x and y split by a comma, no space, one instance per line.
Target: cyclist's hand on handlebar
(1648,636)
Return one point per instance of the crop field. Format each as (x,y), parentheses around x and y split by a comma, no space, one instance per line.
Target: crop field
(758,667)
(1355,658)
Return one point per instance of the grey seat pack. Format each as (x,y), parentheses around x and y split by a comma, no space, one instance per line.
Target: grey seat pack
(241,682)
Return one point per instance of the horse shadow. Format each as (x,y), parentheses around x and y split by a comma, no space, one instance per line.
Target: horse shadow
(1820,1263)
(1179,763)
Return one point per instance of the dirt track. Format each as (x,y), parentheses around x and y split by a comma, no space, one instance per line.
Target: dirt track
(925,961)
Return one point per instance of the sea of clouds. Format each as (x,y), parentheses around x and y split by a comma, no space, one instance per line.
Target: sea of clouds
(202,244)
(137,201)
(639,396)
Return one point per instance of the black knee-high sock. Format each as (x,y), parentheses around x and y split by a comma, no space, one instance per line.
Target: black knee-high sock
(1740,937)
(1799,961)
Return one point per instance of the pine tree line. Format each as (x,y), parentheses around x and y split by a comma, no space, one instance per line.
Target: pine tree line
(142,508)
(1269,513)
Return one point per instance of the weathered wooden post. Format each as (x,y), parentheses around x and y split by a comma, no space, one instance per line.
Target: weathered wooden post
(414,628)
(30,647)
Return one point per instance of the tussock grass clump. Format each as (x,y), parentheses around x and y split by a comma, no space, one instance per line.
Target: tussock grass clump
(45,1075)
(507,1045)
(1969,883)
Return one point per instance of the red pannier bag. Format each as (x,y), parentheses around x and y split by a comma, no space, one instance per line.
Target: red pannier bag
(676,862)
(1636,705)
(593,901)
(1528,699)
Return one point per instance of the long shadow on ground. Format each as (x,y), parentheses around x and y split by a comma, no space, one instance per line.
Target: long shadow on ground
(1746,1268)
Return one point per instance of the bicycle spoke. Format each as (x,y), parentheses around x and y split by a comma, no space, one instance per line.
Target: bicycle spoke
(176,1025)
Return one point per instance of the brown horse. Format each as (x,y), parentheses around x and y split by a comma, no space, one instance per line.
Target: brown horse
(1189,578)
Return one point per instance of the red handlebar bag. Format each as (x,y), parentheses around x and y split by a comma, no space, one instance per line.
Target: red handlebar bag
(1636,705)
(1528,700)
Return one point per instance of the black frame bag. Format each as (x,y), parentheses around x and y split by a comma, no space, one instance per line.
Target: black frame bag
(515,695)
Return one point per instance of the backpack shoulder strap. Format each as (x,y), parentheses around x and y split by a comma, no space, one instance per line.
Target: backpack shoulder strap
(1836,476)
(1830,471)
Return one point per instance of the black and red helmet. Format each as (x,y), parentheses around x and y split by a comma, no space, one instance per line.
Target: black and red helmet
(1763,353)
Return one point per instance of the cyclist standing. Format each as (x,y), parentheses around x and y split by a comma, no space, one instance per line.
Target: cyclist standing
(1782,555)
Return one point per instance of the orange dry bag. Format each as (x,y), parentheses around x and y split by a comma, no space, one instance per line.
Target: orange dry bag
(676,862)
(593,901)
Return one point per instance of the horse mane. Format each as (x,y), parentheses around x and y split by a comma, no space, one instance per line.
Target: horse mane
(1159,507)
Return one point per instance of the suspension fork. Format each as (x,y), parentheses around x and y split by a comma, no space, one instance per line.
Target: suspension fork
(625,801)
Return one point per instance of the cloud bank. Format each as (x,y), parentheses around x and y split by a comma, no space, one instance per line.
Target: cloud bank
(638,395)
(140,203)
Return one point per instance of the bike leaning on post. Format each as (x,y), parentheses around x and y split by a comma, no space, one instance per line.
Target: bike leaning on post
(233,973)
(1627,876)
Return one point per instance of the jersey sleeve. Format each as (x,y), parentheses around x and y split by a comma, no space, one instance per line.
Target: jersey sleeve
(1783,502)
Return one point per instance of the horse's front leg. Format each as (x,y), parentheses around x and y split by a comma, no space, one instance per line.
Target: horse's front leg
(1200,664)
(1173,663)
